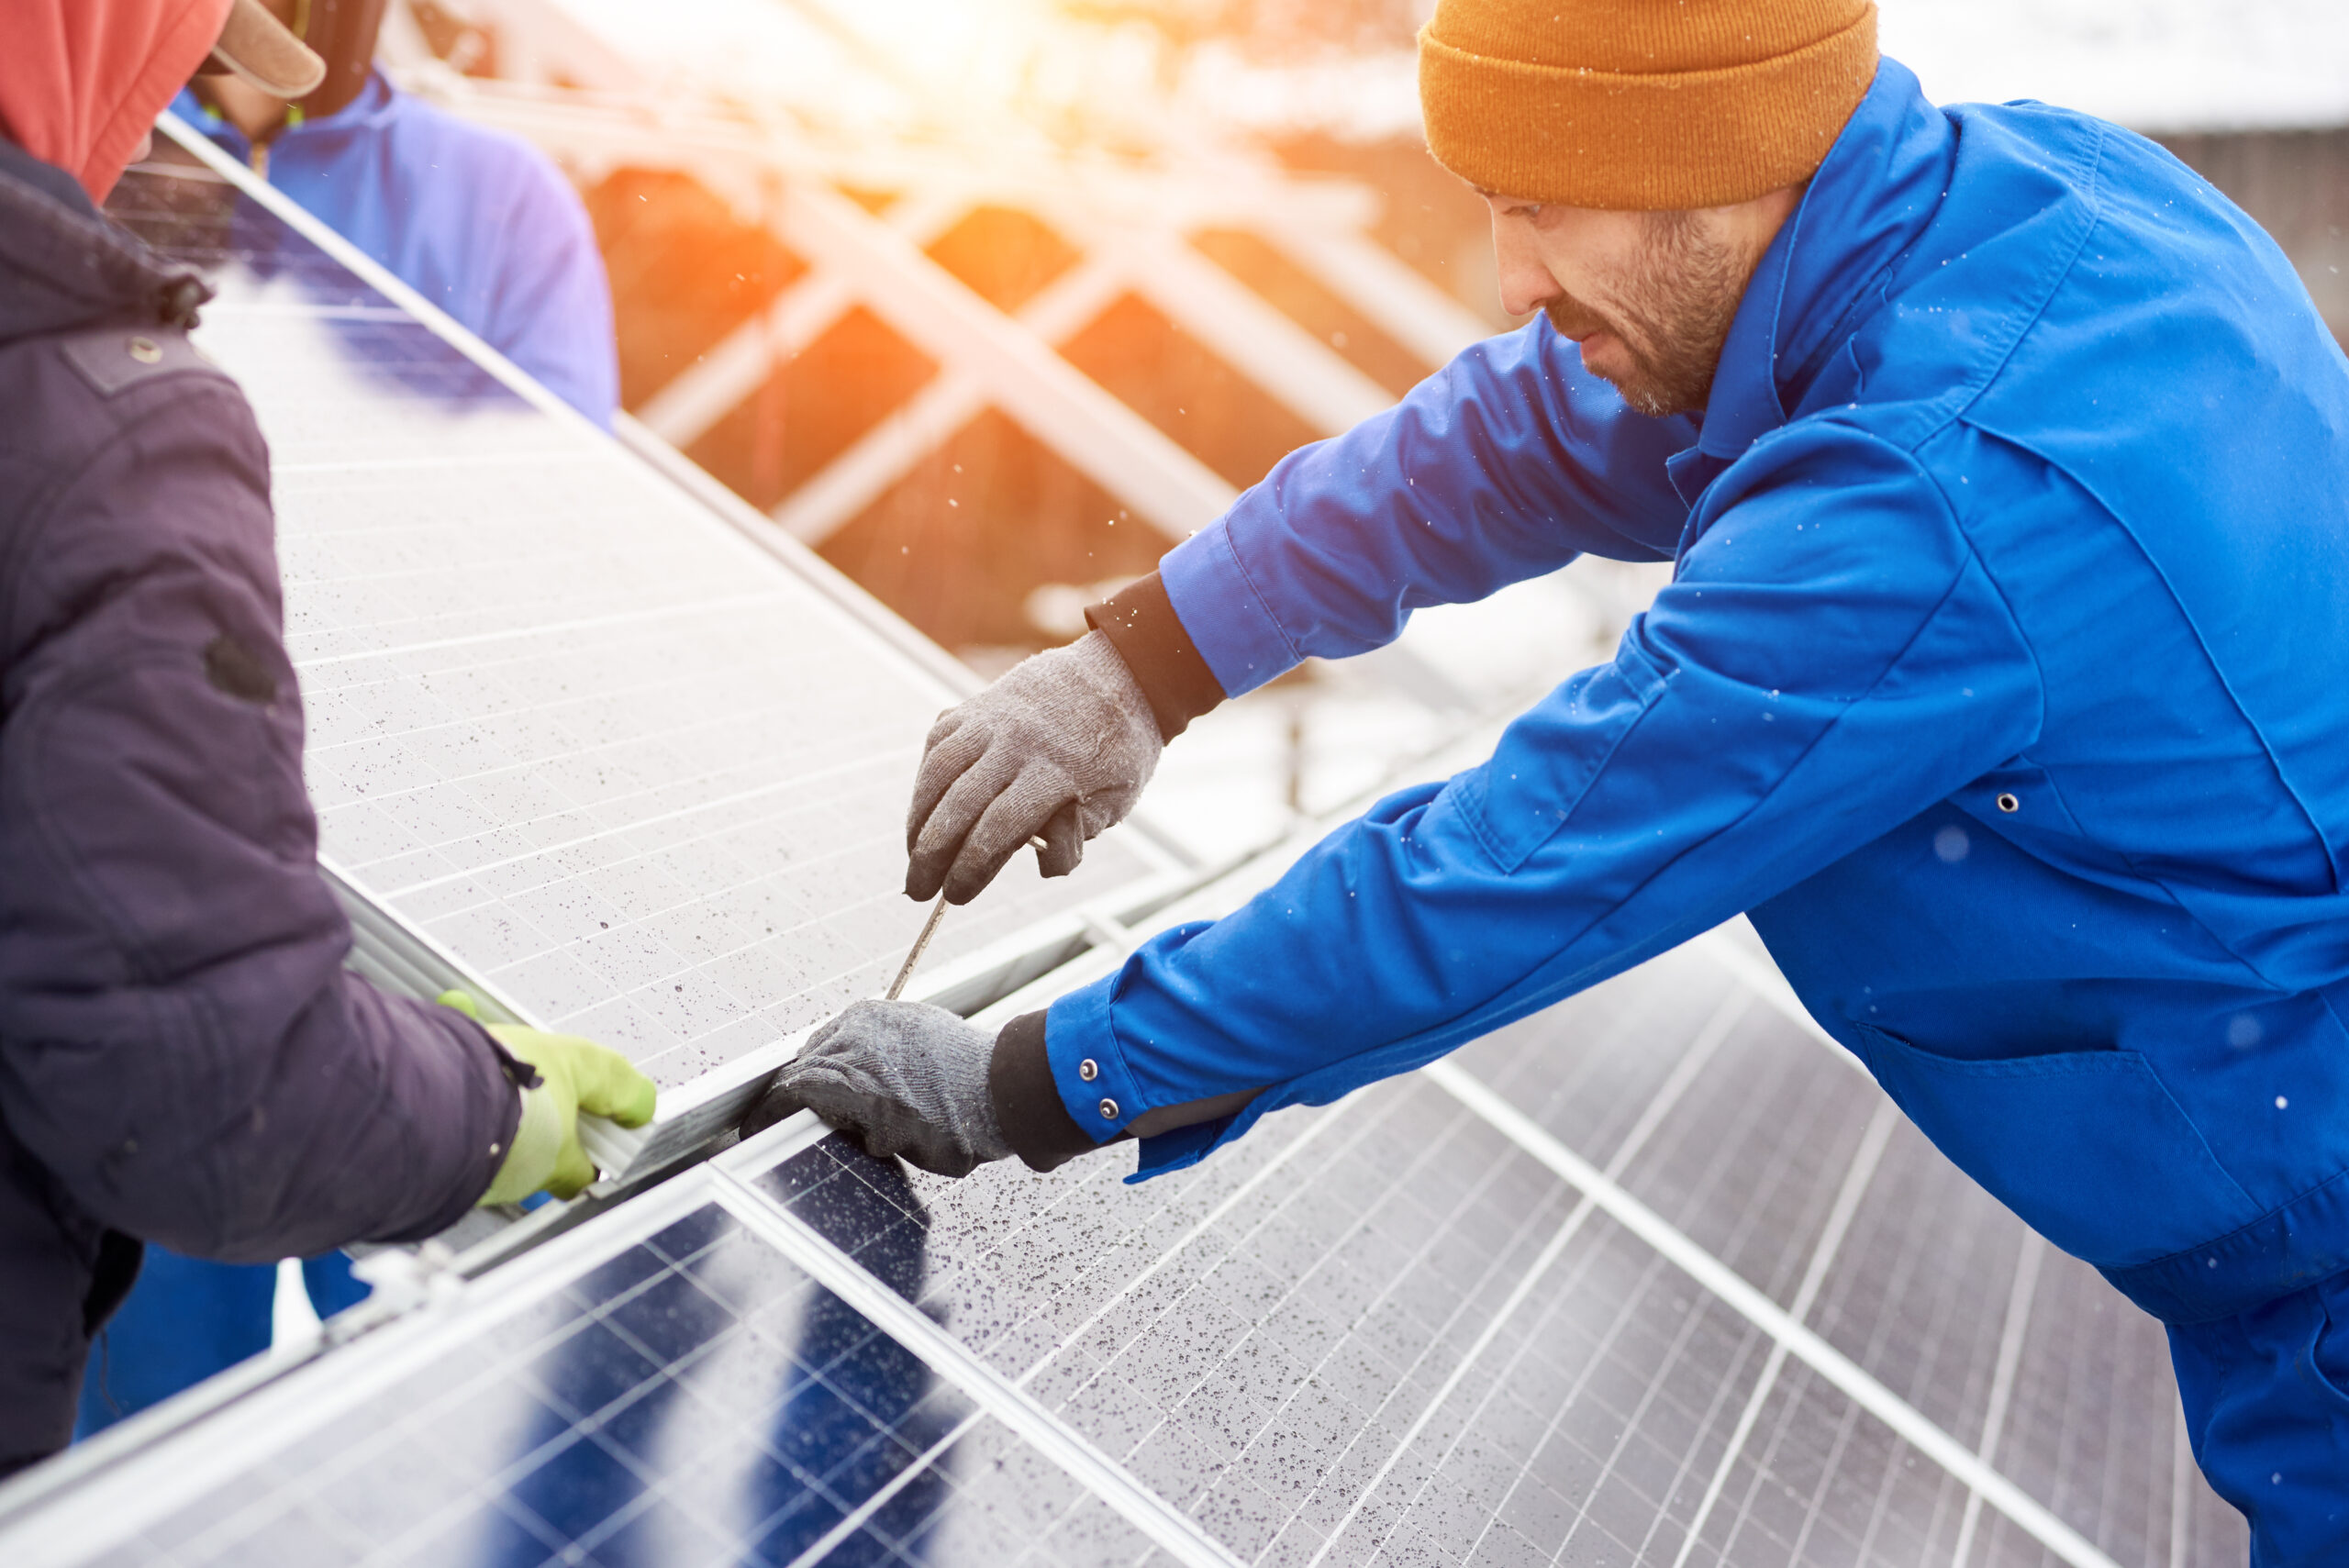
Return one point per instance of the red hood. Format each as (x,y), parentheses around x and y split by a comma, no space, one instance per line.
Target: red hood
(82,81)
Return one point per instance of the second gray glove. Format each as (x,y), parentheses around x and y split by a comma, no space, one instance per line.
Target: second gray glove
(1059,747)
(901,1078)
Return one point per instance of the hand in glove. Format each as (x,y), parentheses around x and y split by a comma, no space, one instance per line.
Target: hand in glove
(574,1075)
(1058,748)
(899,1078)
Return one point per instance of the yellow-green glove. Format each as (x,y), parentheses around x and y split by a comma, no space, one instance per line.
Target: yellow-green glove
(574,1075)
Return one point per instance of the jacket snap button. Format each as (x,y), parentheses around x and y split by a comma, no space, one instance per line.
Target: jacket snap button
(1109,1110)
(146,351)
(2007,801)
(1088,1070)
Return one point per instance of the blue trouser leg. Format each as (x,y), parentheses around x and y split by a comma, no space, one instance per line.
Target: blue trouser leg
(331,1285)
(2266,1397)
(184,1320)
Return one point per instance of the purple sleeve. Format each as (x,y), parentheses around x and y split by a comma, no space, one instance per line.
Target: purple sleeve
(180,1043)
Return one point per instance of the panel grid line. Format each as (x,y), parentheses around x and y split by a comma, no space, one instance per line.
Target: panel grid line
(2002,1381)
(1206,1223)
(1838,1369)
(1014,1406)
(540,629)
(1717,1028)
(856,1520)
(1831,1241)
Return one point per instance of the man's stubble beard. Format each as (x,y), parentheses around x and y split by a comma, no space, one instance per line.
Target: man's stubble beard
(1675,316)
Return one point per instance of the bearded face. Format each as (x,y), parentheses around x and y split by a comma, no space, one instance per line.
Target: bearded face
(1667,311)
(1649,296)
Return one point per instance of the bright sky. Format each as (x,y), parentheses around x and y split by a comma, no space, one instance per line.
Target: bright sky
(978,45)
(2152,64)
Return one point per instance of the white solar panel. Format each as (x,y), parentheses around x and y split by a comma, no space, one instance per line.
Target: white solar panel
(624,764)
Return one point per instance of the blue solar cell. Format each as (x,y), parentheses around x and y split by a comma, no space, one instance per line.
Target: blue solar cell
(695,1399)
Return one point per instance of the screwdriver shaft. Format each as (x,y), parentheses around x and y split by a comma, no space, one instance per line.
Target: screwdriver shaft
(929,929)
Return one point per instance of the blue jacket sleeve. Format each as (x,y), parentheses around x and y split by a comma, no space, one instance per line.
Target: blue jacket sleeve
(1504,465)
(549,306)
(180,1044)
(1829,660)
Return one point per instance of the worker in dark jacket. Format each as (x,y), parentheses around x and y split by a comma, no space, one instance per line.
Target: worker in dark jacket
(2004,467)
(182,1055)
(485,227)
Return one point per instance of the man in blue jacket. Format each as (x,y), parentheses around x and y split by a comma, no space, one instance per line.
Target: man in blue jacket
(476,221)
(184,1056)
(2005,470)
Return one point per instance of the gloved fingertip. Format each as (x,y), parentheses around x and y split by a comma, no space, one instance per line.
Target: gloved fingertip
(818,1086)
(574,1174)
(1064,845)
(462,1001)
(953,1167)
(976,867)
(823,1036)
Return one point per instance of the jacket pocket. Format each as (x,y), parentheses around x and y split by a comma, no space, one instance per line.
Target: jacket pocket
(2087,1147)
(1550,758)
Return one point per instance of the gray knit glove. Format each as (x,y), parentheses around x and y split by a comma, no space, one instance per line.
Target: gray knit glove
(1059,747)
(898,1078)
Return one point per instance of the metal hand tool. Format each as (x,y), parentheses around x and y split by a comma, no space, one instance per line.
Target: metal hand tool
(929,929)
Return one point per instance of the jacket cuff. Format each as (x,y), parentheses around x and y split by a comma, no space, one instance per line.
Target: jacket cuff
(510,1081)
(1242,642)
(1140,624)
(1028,1108)
(531,1152)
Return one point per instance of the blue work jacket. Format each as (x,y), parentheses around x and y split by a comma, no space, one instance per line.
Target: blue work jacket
(2003,678)
(476,221)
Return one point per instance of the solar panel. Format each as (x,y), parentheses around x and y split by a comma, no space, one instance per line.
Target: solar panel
(1382,1332)
(682,1399)
(633,770)
(1268,1375)
(1385,1331)
(1652,1277)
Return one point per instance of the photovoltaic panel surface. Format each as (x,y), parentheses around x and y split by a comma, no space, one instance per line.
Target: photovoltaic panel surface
(632,769)
(1389,1331)
(1381,1333)
(695,1399)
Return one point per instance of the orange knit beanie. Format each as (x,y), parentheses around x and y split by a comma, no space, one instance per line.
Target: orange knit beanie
(1649,105)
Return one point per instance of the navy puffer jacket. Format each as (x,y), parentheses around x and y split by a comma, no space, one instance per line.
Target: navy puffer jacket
(182,1056)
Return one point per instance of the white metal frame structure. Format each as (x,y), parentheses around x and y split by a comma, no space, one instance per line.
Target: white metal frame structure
(1126,219)
(1129,243)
